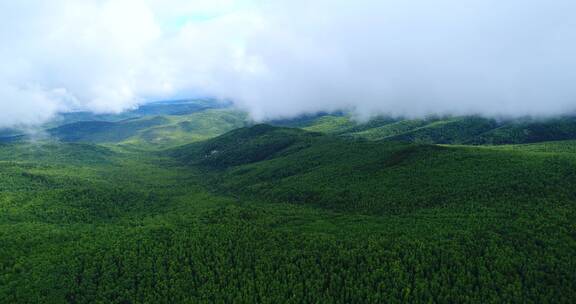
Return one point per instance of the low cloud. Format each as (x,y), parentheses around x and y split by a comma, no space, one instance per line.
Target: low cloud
(412,58)
(285,58)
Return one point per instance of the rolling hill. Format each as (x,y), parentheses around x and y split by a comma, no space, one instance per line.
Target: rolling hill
(146,132)
(205,207)
(290,165)
(160,123)
(172,123)
(443,130)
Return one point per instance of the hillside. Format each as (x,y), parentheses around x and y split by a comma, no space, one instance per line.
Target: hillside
(529,131)
(442,130)
(168,206)
(244,146)
(268,214)
(287,152)
(289,165)
(153,125)
(170,123)
(103,131)
(152,131)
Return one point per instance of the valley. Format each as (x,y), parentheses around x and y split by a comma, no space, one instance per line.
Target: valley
(203,205)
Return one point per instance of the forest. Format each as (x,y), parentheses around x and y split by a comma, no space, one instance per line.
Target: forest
(300,211)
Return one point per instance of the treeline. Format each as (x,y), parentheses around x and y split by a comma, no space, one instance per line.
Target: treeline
(236,258)
(384,178)
(335,222)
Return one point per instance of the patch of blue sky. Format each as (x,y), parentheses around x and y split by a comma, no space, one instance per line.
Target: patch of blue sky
(177,22)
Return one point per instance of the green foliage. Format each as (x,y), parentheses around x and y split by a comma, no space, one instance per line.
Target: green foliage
(452,130)
(378,177)
(444,130)
(325,123)
(104,131)
(390,129)
(152,126)
(530,131)
(57,153)
(152,132)
(189,128)
(243,146)
(281,215)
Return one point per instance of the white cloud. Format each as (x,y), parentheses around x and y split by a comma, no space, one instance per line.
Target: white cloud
(92,50)
(282,58)
(413,58)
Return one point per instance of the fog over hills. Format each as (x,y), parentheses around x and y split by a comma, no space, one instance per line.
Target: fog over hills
(287,151)
(280,59)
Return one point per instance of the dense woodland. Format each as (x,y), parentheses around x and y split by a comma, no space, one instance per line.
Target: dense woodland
(279,215)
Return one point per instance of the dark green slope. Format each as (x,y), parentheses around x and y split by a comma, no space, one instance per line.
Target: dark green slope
(448,131)
(280,215)
(443,130)
(529,131)
(514,204)
(57,153)
(152,132)
(164,123)
(433,129)
(290,165)
(103,132)
(397,128)
(244,146)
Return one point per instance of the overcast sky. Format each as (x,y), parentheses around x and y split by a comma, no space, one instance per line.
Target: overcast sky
(282,58)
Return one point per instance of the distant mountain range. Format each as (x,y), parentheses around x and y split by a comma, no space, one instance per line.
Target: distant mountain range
(176,122)
(192,202)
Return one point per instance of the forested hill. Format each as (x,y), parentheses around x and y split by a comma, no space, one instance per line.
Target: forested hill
(166,124)
(152,126)
(443,130)
(207,207)
(291,165)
